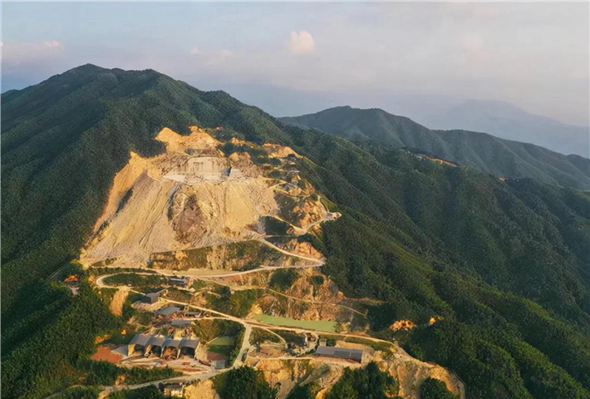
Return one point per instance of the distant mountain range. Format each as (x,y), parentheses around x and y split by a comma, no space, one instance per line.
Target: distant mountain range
(502,119)
(483,151)
(507,121)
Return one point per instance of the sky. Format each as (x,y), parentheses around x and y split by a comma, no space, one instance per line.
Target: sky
(290,58)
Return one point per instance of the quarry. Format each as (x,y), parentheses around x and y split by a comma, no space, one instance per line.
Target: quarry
(210,251)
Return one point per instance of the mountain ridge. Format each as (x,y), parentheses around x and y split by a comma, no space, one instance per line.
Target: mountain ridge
(503,158)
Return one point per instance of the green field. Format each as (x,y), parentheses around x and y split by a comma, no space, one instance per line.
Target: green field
(320,325)
(224,350)
(222,341)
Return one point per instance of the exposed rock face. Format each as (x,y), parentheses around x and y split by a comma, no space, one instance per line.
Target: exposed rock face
(286,374)
(402,325)
(187,217)
(193,196)
(201,390)
(118,301)
(409,372)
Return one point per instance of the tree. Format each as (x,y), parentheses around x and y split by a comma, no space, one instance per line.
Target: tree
(301,392)
(367,383)
(243,383)
(432,388)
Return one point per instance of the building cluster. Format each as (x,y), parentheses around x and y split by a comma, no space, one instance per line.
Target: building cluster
(203,168)
(300,344)
(73,283)
(173,390)
(168,348)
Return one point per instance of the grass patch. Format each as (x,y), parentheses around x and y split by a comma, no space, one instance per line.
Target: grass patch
(224,350)
(319,325)
(237,304)
(178,295)
(258,336)
(223,341)
(207,330)
(98,271)
(199,285)
(378,346)
(136,280)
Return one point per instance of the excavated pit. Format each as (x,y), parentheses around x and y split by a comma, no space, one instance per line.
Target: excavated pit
(194,196)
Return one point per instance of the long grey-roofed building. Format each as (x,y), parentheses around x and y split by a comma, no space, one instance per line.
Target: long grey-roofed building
(189,343)
(192,314)
(168,311)
(342,353)
(138,343)
(172,343)
(180,323)
(152,297)
(180,281)
(156,345)
(189,347)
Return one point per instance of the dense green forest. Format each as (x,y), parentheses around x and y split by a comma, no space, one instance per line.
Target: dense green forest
(505,264)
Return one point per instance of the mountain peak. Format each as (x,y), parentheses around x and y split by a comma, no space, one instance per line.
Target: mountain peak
(87,67)
(350,110)
(89,72)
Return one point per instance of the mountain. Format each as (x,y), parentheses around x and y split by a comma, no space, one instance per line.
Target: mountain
(501,119)
(492,276)
(509,122)
(485,152)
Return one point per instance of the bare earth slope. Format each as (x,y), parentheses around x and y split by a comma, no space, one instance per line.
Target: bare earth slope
(192,196)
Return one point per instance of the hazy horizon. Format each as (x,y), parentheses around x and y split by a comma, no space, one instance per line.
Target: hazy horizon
(289,60)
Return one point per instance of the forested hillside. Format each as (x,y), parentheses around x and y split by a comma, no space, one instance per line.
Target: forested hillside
(505,265)
(503,158)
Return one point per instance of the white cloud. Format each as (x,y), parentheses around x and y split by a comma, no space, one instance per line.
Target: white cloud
(211,54)
(52,43)
(211,58)
(302,43)
(21,53)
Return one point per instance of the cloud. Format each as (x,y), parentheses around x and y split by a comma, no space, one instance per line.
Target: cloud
(212,54)
(22,53)
(214,58)
(302,43)
(52,43)
(196,51)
